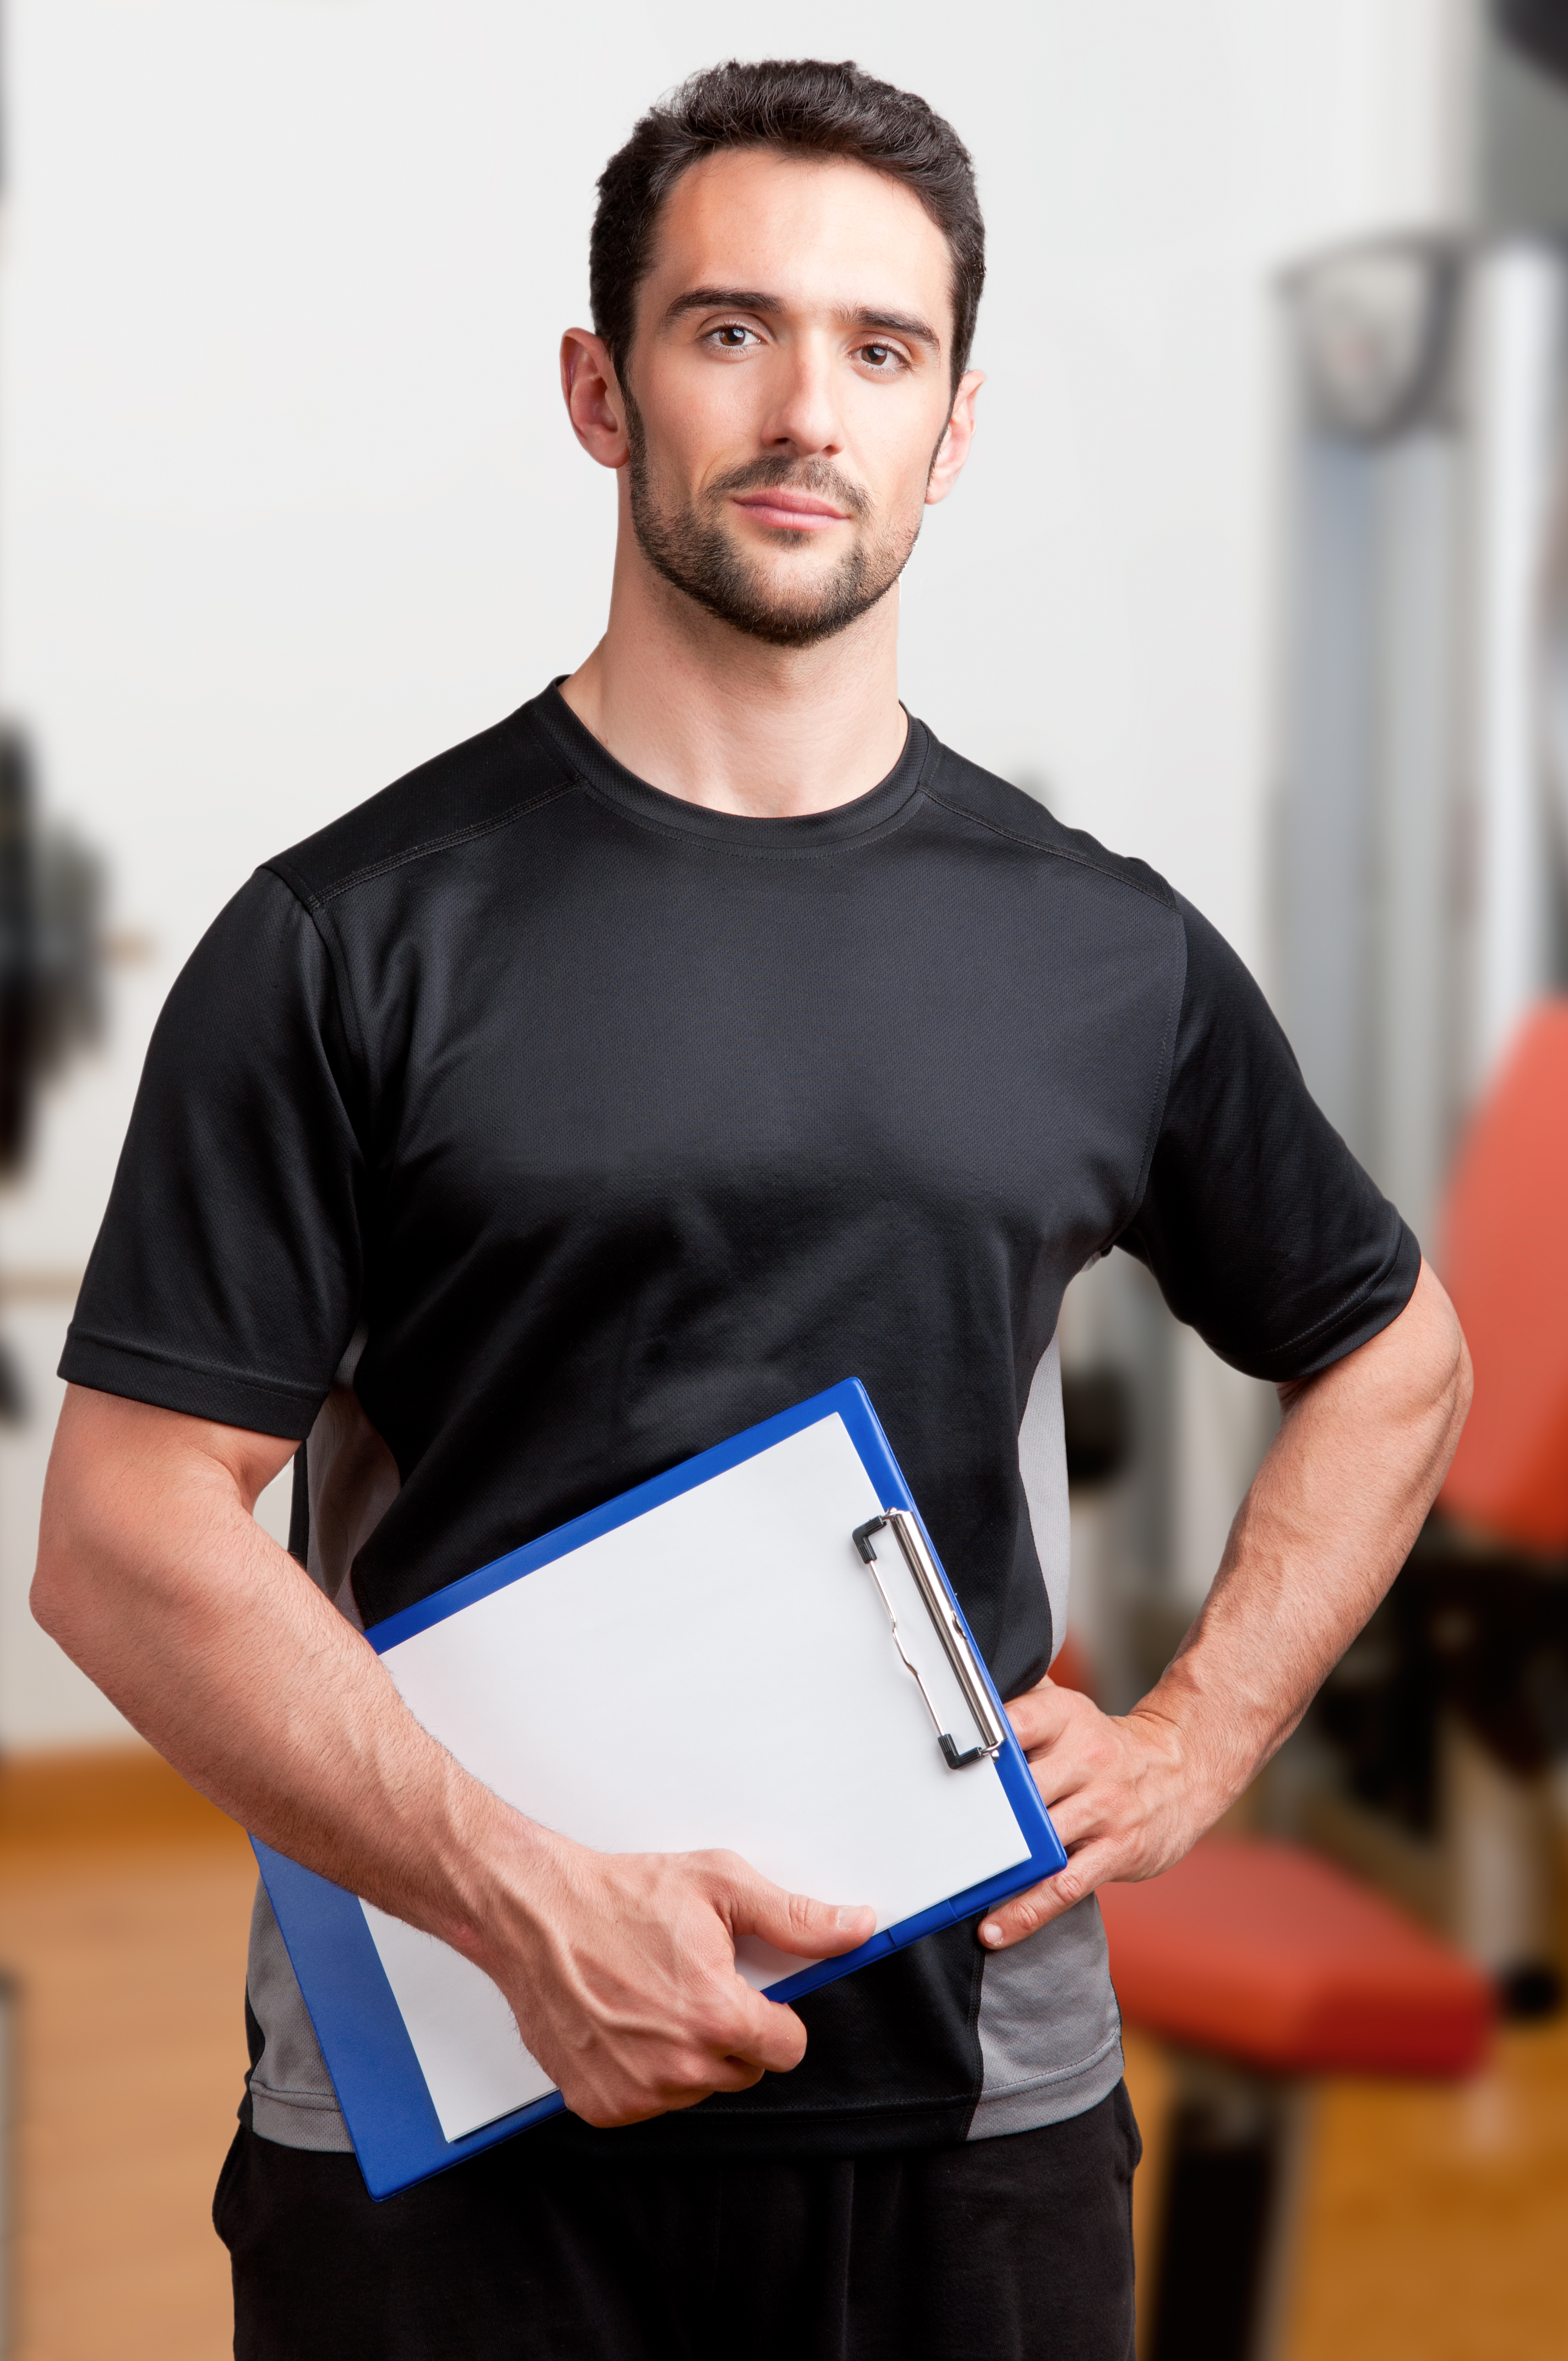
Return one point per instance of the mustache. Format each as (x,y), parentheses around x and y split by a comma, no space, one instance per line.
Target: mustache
(778,473)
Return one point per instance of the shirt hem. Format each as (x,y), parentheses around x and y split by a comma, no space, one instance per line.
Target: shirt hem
(305,2122)
(312,2121)
(1349,1317)
(1048,2098)
(137,1373)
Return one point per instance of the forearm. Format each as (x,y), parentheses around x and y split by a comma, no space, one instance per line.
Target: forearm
(156,1578)
(1326,1525)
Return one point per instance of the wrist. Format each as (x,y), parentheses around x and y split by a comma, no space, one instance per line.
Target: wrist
(495,1868)
(1198,1741)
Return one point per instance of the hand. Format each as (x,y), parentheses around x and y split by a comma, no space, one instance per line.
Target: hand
(621,1971)
(1119,1790)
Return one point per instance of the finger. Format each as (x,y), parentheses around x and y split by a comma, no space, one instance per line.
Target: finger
(1060,1772)
(1027,1913)
(736,2074)
(717,2074)
(1077,1818)
(633,2099)
(794,1922)
(1039,1714)
(1083,1801)
(770,2037)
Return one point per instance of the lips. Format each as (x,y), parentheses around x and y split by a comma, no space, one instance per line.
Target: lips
(791,511)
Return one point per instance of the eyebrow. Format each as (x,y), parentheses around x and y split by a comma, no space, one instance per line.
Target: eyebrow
(751,299)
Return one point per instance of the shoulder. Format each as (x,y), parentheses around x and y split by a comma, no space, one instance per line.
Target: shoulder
(1221,996)
(485,784)
(991,805)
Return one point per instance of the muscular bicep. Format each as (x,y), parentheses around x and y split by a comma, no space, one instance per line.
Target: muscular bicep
(156,1579)
(149,1450)
(131,1488)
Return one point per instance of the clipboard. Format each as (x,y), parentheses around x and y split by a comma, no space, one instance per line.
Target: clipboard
(814,1690)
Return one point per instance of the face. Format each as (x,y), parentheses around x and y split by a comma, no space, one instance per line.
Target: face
(788,411)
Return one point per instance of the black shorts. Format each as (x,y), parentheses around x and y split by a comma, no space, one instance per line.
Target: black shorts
(1013,2250)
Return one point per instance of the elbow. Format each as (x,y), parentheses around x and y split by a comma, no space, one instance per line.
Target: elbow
(75,1569)
(59,1583)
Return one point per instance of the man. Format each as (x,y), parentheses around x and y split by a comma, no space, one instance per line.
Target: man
(701,1035)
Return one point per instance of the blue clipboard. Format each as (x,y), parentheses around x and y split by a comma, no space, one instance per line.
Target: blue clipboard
(391,2120)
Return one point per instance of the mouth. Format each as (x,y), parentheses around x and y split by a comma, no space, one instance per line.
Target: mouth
(784,510)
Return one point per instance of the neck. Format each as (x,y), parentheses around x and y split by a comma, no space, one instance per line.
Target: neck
(708,713)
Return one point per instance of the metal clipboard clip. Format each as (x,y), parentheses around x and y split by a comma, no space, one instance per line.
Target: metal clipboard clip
(949,1630)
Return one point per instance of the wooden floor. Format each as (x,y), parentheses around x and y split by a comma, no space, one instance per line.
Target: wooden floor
(124,1905)
(1435,2226)
(1436,2221)
(1434,2217)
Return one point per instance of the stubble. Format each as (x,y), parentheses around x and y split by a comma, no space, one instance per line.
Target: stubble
(687,545)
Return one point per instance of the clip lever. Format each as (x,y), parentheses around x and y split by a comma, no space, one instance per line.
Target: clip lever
(955,1640)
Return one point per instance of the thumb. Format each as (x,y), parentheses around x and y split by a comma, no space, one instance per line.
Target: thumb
(794,1922)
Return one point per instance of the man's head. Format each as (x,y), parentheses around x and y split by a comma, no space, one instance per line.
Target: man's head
(801,108)
(786,266)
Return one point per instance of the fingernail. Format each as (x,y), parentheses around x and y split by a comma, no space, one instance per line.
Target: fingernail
(848,1915)
(991,1931)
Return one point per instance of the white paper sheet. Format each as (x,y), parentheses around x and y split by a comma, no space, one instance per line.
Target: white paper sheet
(718,1673)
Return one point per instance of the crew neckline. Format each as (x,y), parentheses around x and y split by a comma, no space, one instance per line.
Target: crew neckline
(878,810)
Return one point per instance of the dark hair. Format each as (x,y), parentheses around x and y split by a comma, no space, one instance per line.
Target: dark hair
(803,107)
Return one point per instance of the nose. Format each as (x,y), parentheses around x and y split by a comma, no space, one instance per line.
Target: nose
(804,416)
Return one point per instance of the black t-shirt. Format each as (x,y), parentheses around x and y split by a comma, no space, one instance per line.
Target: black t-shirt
(609,1126)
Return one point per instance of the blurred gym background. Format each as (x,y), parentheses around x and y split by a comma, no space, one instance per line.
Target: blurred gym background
(1260,570)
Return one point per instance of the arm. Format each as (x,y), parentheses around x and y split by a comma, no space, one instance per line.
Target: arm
(1329,1520)
(155,1577)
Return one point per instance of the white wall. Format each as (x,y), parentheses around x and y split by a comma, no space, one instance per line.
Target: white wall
(286,501)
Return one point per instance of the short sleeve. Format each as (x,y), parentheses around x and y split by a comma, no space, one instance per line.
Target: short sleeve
(226,1277)
(1263,1231)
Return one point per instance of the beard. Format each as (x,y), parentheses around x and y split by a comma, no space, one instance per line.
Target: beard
(689,546)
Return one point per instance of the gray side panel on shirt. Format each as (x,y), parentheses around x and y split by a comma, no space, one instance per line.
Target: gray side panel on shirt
(354,1480)
(1050,2035)
(1042,1464)
(292,2098)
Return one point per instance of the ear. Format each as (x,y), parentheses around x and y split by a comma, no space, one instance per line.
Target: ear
(954,447)
(592,397)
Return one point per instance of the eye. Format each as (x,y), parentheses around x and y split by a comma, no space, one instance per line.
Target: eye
(883,361)
(733,337)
